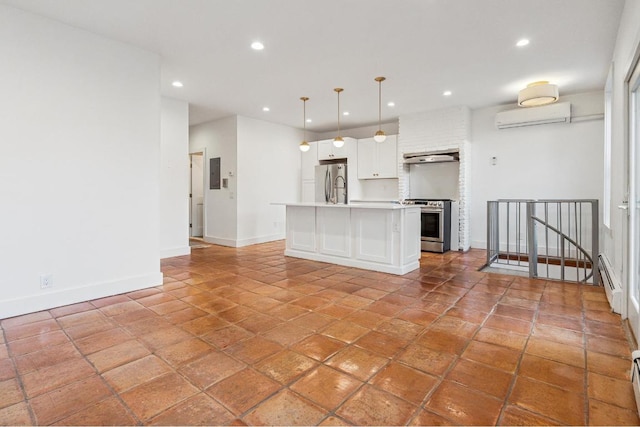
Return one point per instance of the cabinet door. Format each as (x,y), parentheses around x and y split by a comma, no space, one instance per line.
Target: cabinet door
(374,237)
(308,162)
(366,158)
(333,228)
(387,156)
(325,149)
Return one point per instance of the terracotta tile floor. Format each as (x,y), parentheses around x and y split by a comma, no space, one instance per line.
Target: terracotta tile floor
(248,336)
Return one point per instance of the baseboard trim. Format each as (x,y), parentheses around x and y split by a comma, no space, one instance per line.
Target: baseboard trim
(179,251)
(238,243)
(62,297)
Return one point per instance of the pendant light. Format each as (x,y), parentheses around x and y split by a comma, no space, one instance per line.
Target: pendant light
(379,136)
(304,145)
(338,141)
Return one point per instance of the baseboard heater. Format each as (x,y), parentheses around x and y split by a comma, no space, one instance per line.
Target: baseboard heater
(635,376)
(612,286)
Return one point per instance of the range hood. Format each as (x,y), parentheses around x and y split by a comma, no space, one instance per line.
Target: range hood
(432,157)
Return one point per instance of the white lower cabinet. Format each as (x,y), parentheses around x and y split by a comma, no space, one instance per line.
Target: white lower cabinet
(384,237)
(301,228)
(374,236)
(333,228)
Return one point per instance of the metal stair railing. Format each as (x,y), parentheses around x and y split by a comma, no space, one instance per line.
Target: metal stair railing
(566,243)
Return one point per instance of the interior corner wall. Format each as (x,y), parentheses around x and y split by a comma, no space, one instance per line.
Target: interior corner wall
(219,138)
(78,165)
(174,178)
(552,161)
(268,172)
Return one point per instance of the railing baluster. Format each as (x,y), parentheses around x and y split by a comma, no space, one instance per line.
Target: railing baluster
(570,232)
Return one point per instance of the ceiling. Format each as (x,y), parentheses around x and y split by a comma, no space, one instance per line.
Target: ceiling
(422,47)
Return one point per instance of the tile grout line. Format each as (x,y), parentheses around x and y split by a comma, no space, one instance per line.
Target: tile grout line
(522,353)
(18,377)
(99,374)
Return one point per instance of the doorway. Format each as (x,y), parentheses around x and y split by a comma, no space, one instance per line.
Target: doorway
(633,205)
(196,195)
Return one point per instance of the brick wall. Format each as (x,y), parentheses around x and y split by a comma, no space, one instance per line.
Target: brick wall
(439,130)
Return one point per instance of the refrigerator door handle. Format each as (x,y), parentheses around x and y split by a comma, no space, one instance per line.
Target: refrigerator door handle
(327,186)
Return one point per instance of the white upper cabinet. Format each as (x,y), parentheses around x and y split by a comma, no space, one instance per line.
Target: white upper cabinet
(327,151)
(378,160)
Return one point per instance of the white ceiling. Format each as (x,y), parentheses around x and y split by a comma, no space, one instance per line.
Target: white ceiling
(423,47)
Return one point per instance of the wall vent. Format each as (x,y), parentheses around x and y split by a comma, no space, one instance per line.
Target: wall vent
(612,286)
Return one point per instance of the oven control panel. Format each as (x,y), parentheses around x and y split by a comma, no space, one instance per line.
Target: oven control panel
(425,202)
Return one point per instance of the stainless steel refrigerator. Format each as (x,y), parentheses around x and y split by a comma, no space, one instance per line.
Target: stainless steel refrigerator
(331,183)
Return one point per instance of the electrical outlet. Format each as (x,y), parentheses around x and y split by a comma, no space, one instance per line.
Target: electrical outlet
(46,281)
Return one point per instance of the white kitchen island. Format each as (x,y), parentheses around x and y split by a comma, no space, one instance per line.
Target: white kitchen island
(374,236)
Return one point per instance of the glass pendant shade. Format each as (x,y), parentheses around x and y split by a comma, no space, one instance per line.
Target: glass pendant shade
(379,136)
(338,142)
(304,146)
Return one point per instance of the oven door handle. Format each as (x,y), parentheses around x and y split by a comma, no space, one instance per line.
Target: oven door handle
(436,210)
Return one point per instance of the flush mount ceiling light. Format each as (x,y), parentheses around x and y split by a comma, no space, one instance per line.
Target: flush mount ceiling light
(379,136)
(257,46)
(265,109)
(538,93)
(177,84)
(304,145)
(522,42)
(446,93)
(338,141)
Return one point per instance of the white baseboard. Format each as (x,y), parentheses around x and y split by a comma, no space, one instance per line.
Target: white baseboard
(168,253)
(238,243)
(62,297)
(262,239)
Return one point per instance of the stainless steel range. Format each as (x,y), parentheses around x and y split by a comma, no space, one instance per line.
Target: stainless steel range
(435,234)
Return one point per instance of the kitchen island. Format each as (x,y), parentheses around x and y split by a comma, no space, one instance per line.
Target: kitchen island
(373,236)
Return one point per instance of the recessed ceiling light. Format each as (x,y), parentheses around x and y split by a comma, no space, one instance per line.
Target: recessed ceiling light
(446,93)
(391,104)
(522,42)
(177,84)
(257,46)
(346,113)
(309,120)
(265,109)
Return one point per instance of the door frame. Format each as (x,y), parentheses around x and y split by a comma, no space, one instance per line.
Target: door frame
(630,191)
(203,152)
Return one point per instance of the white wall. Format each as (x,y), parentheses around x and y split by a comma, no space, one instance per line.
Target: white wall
(174,178)
(268,172)
(261,160)
(79,155)
(218,139)
(624,57)
(555,161)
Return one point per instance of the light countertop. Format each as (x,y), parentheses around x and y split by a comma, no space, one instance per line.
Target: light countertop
(357,205)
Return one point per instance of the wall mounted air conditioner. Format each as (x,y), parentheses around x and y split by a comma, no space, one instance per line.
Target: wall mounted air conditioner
(612,286)
(554,113)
